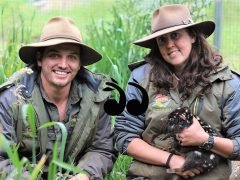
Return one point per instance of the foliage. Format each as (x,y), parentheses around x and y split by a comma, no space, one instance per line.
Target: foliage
(28,114)
(197,7)
(12,37)
(56,163)
(120,168)
(21,23)
(64,136)
(113,39)
(130,22)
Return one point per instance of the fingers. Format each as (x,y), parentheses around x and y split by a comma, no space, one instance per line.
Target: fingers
(179,138)
(200,169)
(196,171)
(190,173)
(186,174)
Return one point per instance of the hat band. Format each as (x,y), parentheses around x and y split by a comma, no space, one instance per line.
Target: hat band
(189,21)
(64,37)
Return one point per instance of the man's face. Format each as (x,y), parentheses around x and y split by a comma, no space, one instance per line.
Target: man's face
(59,65)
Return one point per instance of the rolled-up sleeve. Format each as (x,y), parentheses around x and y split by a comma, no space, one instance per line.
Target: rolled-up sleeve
(101,155)
(127,126)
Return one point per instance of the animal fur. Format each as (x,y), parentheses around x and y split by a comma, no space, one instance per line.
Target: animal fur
(195,156)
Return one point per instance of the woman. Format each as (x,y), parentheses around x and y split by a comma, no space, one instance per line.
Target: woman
(181,70)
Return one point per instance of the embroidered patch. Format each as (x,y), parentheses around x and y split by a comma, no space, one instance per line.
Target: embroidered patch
(162,102)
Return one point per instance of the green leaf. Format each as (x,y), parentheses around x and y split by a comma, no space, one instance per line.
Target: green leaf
(13,156)
(69,167)
(37,170)
(64,135)
(29,118)
(52,167)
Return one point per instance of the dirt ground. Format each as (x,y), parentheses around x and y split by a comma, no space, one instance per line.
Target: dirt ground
(235,170)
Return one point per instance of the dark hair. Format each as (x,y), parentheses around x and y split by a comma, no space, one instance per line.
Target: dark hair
(202,60)
(39,55)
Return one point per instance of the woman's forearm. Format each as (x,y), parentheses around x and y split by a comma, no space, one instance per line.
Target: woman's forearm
(144,152)
(222,146)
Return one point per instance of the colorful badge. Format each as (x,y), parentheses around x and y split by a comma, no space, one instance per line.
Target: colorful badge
(162,102)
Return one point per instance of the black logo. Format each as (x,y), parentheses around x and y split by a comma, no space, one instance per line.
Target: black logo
(134,106)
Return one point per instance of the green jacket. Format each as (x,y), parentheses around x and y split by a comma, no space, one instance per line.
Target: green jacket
(221,109)
(90,145)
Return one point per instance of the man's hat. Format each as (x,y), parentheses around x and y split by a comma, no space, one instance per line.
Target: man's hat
(59,30)
(170,18)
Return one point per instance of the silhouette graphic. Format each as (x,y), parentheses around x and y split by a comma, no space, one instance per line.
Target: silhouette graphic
(134,107)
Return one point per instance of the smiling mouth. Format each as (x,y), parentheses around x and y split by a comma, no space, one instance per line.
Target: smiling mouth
(173,52)
(62,73)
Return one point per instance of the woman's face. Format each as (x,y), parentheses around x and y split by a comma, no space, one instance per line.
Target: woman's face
(175,48)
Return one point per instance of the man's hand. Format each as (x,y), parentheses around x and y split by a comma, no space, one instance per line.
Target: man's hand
(79,177)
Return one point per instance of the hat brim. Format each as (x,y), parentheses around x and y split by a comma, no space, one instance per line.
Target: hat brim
(88,55)
(206,27)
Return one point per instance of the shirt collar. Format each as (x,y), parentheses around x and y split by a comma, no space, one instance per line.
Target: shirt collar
(75,93)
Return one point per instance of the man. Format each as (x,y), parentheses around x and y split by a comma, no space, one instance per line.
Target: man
(60,89)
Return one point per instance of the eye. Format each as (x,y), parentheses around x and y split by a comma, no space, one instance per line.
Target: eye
(161,40)
(53,55)
(175,35)
(73,57)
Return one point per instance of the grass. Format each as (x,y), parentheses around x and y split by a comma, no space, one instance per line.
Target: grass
(230,32)
(82,13)
(25,24)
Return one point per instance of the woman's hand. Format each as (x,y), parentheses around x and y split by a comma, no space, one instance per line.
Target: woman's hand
(194,135)
(176,164)
(189,173)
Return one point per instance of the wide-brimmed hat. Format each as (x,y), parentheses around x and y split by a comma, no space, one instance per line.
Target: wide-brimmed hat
(170,18)
(59,30)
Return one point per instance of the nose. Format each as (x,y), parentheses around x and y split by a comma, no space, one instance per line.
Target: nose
(63,62)
(169,42)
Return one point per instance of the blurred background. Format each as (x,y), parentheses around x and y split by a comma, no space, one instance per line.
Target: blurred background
(110,26)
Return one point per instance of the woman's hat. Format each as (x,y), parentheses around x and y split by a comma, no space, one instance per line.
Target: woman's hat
(59,30)
(170,18)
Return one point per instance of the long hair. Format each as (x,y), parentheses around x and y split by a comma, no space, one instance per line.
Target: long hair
(202,60)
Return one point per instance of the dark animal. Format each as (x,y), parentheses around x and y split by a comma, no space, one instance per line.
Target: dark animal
(195,156)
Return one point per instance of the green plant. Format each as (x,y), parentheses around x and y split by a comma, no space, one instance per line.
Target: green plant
(56,163)
(12,153)
(12,37)
(64,136)
(120,167)
(28,114)
(114,40)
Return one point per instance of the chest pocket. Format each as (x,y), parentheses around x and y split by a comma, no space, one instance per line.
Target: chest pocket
(159,107)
